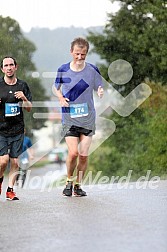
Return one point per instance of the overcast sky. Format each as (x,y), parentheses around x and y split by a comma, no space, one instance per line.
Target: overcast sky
(57,13)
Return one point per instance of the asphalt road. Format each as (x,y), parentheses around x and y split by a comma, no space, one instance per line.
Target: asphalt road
(110,218)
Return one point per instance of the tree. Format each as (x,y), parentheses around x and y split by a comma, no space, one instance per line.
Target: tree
(139,142)
(137,34)
(13,43)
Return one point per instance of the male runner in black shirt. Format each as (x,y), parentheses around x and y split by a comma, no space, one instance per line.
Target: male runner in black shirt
(14,96)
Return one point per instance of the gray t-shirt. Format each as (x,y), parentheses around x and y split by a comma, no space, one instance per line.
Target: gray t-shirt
(78,87)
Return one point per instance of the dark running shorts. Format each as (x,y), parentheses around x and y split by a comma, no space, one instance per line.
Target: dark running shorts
(11,145)
(76,131)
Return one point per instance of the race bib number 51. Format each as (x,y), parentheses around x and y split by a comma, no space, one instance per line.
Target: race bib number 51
(12,109)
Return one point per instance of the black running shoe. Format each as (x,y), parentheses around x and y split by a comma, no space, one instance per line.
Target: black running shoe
(78,191)
(68,189)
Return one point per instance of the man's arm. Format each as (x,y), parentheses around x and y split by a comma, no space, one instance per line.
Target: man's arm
(63,101)
(27,105)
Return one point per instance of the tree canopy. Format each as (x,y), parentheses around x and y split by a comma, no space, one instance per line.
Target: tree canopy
(137,33)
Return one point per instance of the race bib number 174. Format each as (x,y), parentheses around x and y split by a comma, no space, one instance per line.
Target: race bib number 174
(78,110)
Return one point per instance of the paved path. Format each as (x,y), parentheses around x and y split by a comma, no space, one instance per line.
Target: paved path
(108,219)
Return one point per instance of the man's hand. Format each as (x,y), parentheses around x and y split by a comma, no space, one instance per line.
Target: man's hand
(20,95)
(64,101)
(100,92)
(26,104)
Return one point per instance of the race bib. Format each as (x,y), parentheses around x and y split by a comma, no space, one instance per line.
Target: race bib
(78,110)
(12,109)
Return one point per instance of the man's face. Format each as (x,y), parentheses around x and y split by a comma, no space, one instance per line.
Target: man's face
(79,54)
(9,67)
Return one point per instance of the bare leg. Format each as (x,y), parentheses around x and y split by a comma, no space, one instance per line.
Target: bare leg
(3,164)
(14,167)
(85,142)
(71,161)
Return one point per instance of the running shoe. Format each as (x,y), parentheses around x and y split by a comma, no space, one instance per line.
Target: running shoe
(0,188)
(78,191)
(68,189)
(11,195)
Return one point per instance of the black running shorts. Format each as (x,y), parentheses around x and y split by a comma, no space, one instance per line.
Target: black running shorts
(11,145)
(76,131)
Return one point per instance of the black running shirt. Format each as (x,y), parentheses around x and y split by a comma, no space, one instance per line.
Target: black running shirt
(11,114)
